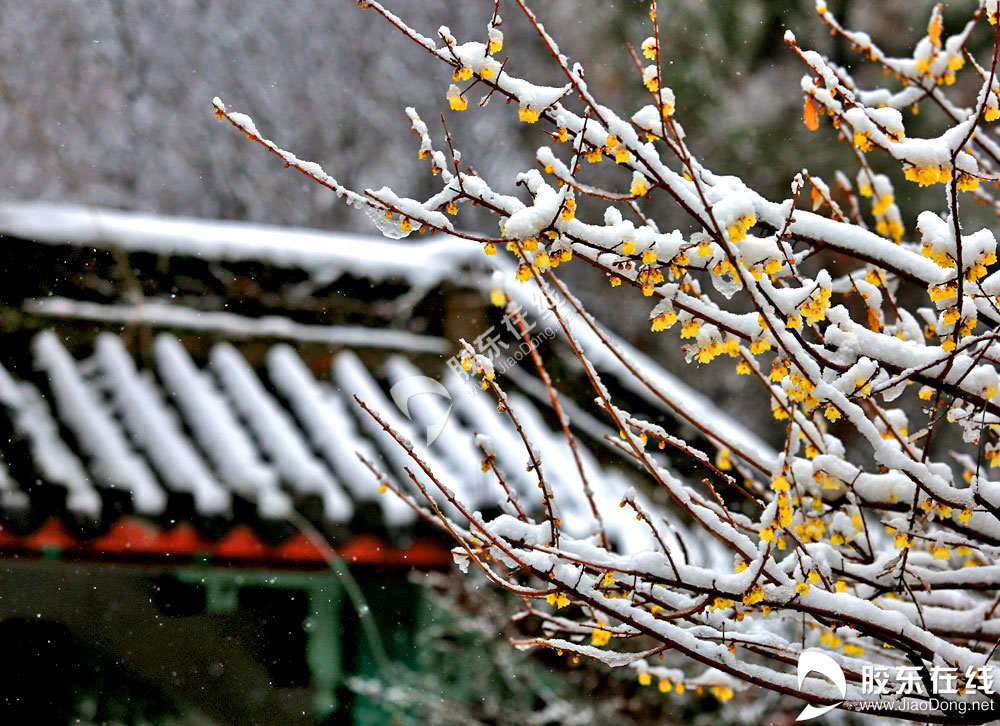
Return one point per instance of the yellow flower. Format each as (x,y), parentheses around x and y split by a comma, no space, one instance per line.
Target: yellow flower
(721,603)
(927,175)
(840,586)
(723,693)
(992,113)
(648,257)
(649,48)
(863,140)
(665,686)
(663,321)
(831,412)
(527,114)
(622,155)
(456,99)
(645,679)
(767,534)
(754,596)
(640,186)
(600,637)
(967,183)
(802,588)
(941,552)
(496,41)
(690,328)
(490,248)
(882,205)
(964,516)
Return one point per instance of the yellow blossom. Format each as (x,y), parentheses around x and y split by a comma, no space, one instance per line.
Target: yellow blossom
(600,637)
(456,99)
(640,187)
(754,595)
(527,114)
(723,693)
(496,41)
(645,679)
(690,328)
(967,183)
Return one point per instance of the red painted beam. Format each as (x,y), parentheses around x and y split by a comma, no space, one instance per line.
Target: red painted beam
(130,538)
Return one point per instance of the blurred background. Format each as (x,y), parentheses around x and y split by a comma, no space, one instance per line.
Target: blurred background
(108,103)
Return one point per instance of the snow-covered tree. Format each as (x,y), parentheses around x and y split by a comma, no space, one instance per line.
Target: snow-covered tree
(866,335)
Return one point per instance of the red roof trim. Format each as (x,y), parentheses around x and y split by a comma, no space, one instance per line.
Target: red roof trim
(131,538)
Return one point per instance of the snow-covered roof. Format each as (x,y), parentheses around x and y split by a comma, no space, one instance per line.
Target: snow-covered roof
(326,254)
(222,443)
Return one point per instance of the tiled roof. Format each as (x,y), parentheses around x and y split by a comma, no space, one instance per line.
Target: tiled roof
(222,444)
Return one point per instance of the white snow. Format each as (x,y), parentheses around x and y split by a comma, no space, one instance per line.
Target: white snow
(154,431)
(96,431)
(277,435)
(219,434)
